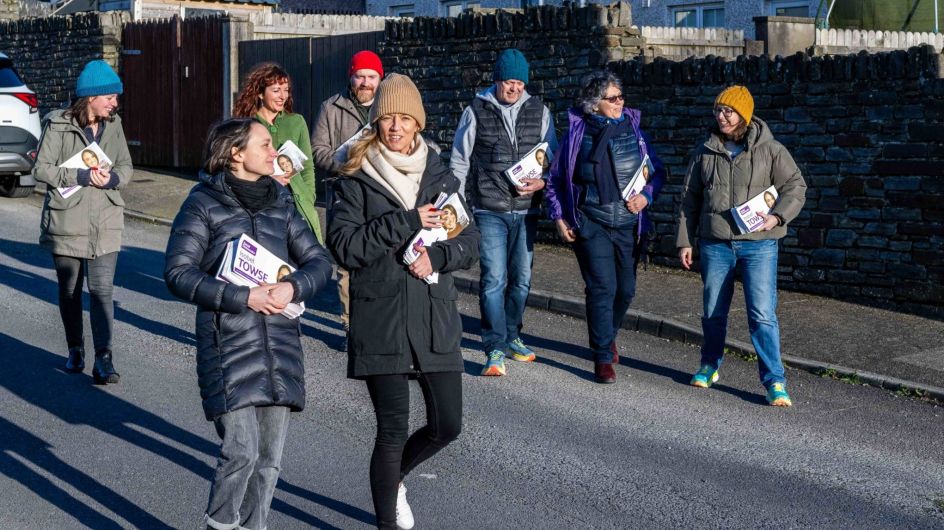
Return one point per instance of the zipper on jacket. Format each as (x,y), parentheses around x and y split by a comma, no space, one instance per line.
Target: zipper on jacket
(265,330)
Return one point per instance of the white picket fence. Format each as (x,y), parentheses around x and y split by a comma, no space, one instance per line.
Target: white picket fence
(268,25)
(833,41)
(667,41)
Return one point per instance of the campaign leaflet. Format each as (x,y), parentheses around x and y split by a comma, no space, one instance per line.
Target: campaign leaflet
(90,157)
(640,179)
(340,154)
(454,220)
(249,264)
(532,166)
(289,160)
(746,216)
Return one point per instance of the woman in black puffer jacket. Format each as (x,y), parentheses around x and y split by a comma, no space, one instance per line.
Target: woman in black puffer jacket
(249,356)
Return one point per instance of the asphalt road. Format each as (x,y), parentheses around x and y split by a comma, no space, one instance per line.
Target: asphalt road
(542,448)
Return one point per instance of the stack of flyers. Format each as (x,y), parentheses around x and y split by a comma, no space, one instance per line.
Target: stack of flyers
(532,166)
(340,154)
(747,215)
(249,264)
(289,161)
(454,220)
(90,157)
(640,179)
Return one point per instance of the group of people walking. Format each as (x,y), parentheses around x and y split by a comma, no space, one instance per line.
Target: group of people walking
(385,180)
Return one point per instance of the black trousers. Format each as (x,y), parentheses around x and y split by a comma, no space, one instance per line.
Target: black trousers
(395,454)
(101,275)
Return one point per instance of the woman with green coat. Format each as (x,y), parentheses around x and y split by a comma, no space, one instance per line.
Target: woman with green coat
(83,213)
(267,97)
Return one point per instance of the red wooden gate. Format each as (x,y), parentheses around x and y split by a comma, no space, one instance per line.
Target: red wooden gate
(173,76)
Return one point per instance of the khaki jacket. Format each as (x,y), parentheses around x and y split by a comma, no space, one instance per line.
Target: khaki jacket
(337,121)
(88,223)
(714,184)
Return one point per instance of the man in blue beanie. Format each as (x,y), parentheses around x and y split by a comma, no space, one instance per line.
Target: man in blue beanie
(496,131)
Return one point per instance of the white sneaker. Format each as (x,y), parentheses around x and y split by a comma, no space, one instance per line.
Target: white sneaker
(404,513)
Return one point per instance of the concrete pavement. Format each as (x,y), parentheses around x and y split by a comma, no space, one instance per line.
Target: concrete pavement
(858,344)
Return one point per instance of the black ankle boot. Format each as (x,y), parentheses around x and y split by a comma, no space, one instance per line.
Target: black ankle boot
(76,361)
(104,371)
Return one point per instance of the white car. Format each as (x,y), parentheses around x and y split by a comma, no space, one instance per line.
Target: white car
(19,132)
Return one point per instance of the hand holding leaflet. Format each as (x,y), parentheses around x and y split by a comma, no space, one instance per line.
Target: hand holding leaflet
(752,215)
(91,157)
(452,219)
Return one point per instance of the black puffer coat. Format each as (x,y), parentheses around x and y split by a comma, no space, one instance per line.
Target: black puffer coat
(393,313)
(244,358)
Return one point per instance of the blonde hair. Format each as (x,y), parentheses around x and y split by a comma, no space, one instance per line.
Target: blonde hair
(357,152)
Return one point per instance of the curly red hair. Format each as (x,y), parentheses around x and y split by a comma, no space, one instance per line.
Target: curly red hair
(261,76)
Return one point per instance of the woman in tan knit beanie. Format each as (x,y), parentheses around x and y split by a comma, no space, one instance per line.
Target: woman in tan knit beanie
(401,326)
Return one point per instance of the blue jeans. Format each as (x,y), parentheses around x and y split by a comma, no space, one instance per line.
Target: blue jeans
(506,251)
(248,467)
(757,262)
(608,267)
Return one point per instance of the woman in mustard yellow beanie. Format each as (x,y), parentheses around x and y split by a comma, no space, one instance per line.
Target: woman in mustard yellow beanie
(739,161)
(401,327)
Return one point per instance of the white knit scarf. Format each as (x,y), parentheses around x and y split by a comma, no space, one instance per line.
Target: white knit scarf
(400,174)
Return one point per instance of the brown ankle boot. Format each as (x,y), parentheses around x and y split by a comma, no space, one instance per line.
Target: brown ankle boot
(604,373)
(615,352)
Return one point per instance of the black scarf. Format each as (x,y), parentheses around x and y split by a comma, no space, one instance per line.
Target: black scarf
(254,196)
(602,130)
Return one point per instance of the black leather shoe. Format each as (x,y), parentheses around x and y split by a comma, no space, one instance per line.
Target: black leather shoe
(76,361)
(104,371)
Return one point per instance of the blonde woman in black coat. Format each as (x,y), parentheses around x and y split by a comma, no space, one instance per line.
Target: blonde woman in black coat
(249,356)
(401,327)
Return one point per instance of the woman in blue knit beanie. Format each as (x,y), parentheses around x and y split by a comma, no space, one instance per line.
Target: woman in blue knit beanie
(83,214)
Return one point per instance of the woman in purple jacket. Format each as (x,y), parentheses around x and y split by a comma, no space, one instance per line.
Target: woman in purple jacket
(597,159)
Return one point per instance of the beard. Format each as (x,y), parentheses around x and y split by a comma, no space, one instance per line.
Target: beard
(364,94)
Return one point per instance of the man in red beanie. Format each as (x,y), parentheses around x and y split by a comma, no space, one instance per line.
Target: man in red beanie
(341,116)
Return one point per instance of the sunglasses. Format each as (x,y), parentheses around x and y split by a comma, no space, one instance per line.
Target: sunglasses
(727,112)
(613,99)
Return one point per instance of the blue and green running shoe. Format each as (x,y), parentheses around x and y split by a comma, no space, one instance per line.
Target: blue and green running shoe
(494,363)
(520,352)
(777,395)
(705,376)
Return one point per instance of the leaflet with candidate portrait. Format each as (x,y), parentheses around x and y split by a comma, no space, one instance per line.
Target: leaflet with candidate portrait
(454,220)
(746,215)
(89,157)
(532,166)
(249,264)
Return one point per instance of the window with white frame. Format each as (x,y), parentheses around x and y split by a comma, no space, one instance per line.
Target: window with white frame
(789,8)
(698,15)
(402,10)
(453,8)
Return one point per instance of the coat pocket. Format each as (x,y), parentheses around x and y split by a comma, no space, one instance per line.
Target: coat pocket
(445,319)
(376,318)
(61,217)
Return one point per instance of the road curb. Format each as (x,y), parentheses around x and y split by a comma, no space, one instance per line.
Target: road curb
(671,329)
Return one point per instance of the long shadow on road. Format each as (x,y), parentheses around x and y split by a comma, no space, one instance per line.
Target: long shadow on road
(73,399)
(47,290)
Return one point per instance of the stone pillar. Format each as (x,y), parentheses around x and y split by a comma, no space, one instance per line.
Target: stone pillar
(785,35)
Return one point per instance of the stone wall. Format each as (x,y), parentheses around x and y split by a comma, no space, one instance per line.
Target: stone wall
(451,59)
(868,133)
(866,130)
(50,52)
